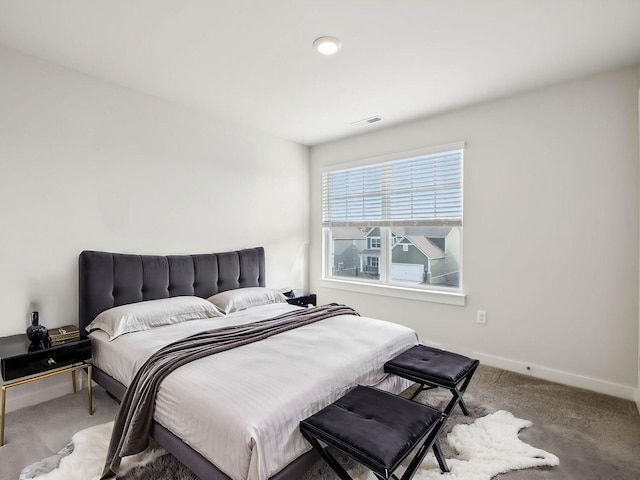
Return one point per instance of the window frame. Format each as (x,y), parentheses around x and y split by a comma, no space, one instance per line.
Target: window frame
(385,286)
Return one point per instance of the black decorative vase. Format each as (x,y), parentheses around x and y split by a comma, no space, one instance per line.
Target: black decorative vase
(37,333)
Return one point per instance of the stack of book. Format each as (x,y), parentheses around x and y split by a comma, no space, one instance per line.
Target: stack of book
(60,335)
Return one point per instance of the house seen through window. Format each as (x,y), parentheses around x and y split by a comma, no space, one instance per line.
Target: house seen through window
(396,222)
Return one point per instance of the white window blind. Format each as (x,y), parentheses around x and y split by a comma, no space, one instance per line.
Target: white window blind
(422,190)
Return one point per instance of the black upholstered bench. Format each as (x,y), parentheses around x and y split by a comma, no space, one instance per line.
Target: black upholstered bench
(375,428)
(433,368)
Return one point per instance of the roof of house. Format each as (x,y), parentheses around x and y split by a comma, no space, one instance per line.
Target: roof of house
(430,232)
(425,245)
(347,233)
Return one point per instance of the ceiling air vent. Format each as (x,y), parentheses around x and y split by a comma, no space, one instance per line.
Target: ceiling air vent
(367,121)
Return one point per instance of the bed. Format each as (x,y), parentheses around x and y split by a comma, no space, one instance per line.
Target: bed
(234,415)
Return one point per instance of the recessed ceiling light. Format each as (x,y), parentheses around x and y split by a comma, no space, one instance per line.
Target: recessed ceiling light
(327,45)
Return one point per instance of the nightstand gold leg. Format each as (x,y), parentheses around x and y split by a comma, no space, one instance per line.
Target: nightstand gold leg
(4,402)
(90,388)
(60,371)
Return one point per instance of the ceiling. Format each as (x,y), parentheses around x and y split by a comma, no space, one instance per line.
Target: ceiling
(251,61)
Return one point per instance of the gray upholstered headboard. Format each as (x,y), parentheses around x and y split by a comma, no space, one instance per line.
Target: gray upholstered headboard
(107,279)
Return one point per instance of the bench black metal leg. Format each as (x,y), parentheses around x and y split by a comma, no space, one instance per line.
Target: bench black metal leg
(457,393)
(421,389)
(437,451)
(463,407)
(455,400)
(432,439)
(457,396)
(333,463)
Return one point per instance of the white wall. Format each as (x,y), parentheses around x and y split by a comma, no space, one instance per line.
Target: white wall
(550,231)
(85,164)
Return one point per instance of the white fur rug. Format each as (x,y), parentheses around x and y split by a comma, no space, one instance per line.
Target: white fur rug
(487,447)
(86,461)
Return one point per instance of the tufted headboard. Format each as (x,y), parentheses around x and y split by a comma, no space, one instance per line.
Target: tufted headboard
(107,279)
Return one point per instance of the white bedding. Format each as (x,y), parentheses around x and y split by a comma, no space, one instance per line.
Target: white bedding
(241,408)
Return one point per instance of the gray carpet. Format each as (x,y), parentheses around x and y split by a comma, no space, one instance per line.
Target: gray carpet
(37,432)
(595,436)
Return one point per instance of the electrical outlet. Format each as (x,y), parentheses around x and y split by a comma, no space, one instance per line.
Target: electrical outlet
(481,317)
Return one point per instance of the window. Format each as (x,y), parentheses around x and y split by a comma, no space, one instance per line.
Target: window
(401,218)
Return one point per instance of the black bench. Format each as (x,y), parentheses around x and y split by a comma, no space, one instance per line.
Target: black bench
(433,368)
(375,428)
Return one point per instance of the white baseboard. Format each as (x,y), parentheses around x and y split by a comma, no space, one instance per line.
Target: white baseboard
(638,398)
(559,376)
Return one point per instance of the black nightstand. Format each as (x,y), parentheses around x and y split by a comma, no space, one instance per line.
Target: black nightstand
(303,300)
(20,366)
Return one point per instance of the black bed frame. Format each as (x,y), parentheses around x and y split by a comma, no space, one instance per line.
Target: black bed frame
(107,280)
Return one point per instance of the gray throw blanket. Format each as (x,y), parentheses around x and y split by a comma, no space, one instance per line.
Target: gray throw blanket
(135,416)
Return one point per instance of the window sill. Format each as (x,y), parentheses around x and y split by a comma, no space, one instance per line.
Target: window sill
(436,296)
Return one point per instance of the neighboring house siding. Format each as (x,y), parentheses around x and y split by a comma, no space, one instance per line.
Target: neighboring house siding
(453,244)
(343,252)
(440,242)
(413,255)
(441,267)
(447,270)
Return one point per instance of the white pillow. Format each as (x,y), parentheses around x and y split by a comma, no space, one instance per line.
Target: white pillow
(243,298)
(134,317)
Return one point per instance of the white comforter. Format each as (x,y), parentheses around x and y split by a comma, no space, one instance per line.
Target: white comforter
(241,408)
